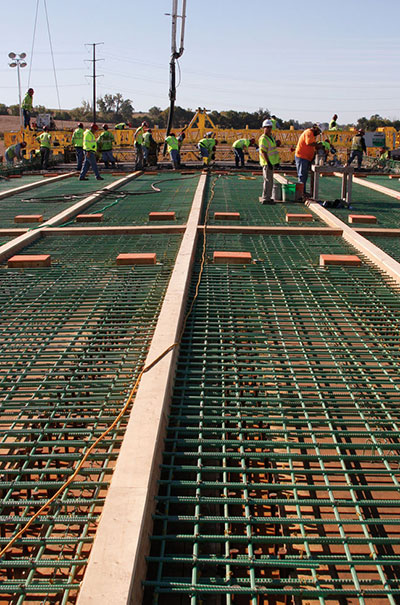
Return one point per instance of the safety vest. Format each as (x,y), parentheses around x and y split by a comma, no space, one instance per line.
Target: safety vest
(326,145)
(274,123)
(333,125)
(268,145)
(89,141)
(172,143)
(147,139)
(241,143)
(27,102)
(44,140)
(120,126)
(139,135)
(77,137)
(356,143)
(106,140)
(11,152)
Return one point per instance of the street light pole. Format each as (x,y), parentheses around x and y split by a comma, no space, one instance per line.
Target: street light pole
(18,62)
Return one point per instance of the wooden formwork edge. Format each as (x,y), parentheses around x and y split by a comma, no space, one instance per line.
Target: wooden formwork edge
(34,185)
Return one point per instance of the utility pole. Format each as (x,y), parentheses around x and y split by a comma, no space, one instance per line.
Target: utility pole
(94,76)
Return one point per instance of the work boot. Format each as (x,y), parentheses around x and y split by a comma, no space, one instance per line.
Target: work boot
(99,178)
(83,178)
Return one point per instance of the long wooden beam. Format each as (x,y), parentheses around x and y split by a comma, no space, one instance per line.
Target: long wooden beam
(17,190)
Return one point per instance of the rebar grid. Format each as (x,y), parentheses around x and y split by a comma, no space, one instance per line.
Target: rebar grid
(236,194)
(280,477)
(73,339)
(48,200)
(176,195)
(7,183)
(390,245)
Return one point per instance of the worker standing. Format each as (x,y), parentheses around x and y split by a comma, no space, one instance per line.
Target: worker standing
(305,151)
(44,139)
(358,147)
(239,147)
(122,126)
(269,157)
(77,142)
(173,149)
(27,106)
(105,143)
(139,145)
(14,151)
(274,121)
(333,123)
(180,138)
(90,148)
(147,136)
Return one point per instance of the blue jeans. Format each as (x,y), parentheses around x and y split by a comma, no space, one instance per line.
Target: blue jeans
(239,157)
(90,161)
(174,154)
(302,167)
(145,153)
(107,157)
(79,157)
(355,154)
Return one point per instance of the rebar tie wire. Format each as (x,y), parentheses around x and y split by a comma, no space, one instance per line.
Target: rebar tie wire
(132,392)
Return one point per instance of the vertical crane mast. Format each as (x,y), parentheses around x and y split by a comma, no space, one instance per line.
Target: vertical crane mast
(175,54)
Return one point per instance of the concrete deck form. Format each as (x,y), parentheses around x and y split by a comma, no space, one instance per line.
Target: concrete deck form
(117,562)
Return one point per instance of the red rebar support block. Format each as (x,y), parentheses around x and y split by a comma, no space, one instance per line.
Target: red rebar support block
(49,174)
(14,176)
(394,176)
(89,218)
(348,260)
(28,218)
(292,218)
(226,216)
(362,218)
(150,172)
(161,216)
(237,258)
(143,258)
(188,172)
(30,260)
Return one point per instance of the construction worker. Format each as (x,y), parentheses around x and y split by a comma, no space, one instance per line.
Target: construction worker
(358,147)
(173,149)
(44,139)
(90,148)
(305,151)
(139,145)
(14,151)
(105,143)
(274,121)
(147,136)
(77,142)
(206,147)
(27,105)
(152,148)
(180,138)
(269,157)
(333,124)
(239,148)
(122,126)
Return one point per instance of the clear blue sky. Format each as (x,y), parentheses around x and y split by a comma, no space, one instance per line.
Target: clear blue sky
(300,60)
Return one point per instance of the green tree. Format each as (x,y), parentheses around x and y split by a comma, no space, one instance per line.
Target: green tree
(3,109)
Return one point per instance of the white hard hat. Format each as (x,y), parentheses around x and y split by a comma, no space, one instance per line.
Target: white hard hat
(267,123)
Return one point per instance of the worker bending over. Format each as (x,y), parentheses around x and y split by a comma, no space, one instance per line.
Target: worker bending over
(269,157)
(90,148)
(105,143)
(77,142)
(239,147)
(27,107)
(305,151)
(44,140)
(173,149)
(14,151)
(206,146)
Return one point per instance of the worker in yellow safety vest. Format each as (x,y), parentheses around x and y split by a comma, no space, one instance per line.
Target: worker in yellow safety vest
(27,106)
(44,140)
(206,146)
(269,157)
(239,147)
(173,149)
(90,148)
(139,132)
(14,151)
(77,142)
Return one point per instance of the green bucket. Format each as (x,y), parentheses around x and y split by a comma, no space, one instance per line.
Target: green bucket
(289,192)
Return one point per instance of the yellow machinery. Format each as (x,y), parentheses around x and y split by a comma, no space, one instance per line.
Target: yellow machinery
(195,130)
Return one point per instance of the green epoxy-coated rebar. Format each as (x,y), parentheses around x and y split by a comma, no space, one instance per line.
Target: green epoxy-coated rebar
(73,338)
(281,471)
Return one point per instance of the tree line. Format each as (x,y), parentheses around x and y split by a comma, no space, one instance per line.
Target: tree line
(113,108)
